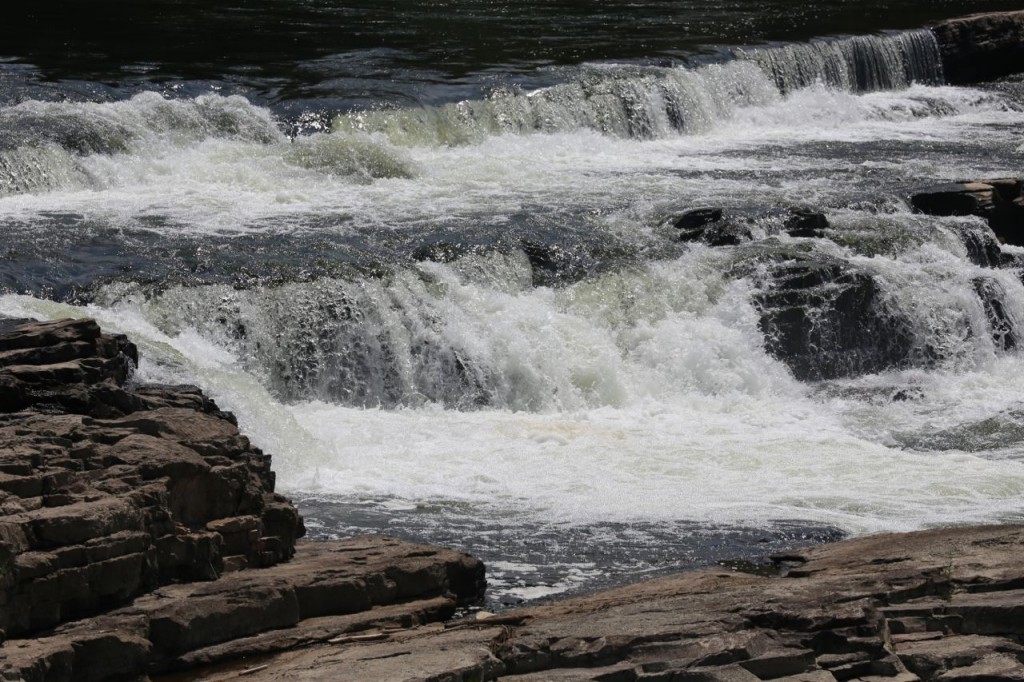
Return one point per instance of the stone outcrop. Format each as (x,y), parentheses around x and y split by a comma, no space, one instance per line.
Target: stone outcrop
(715,226)
(132,519)
(107,493)
(934,605)
(981,47)
(330,591)
(999,201)
(827,317)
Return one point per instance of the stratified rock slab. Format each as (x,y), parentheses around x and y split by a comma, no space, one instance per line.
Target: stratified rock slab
(107,493)
(336,591)
(935,605)
(999,201)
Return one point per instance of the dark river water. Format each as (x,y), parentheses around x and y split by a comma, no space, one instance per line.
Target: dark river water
(426,253)
(301,54)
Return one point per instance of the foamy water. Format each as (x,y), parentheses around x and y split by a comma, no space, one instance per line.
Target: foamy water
(625,405)
(674,412)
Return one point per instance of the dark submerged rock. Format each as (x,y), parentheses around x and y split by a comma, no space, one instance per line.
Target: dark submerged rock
(826,319)
(553,264)
(696,218)
(713,227)
(440,252)
(805,222)
(956,199)
(983,247)
(1001,326)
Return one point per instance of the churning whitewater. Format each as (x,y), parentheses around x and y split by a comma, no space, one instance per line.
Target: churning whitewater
(477,319)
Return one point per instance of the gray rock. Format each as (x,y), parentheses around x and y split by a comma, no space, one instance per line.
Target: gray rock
(981,47)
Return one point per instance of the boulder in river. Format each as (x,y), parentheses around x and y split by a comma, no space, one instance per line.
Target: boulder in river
(981,47)
(712,226)
(827,319)
(804,221)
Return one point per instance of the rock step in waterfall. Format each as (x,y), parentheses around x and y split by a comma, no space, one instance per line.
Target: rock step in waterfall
(827,317)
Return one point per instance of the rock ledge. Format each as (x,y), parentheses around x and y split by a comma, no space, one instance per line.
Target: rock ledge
(936,605)
(133,520)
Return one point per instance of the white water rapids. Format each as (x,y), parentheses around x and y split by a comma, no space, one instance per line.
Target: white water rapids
(640,394)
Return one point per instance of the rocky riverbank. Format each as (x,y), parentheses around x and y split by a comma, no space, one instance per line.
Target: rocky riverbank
(935,605)
(133,519)
(140,538)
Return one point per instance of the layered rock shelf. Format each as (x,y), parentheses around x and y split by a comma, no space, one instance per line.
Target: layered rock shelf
(133,520)
(935,605)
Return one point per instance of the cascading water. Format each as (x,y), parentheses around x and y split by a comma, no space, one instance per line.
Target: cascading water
(859,64)
(650,102)
(476,322)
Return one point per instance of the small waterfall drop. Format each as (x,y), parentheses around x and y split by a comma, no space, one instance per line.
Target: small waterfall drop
(855,64)
(650,102)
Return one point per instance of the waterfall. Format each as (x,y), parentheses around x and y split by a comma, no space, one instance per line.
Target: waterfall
(858,64)
(652,102)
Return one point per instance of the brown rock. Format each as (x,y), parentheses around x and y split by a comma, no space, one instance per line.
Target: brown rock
(998,201)
(832,624)
(91,507)
(29,334)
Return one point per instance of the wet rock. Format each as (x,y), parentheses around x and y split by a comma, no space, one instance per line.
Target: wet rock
(713,227)
(827,319)
(956,199)
(441,251)
(983,246)
(696,218)
(999,201)
(554,264)
(982,47)
(908,394)
(1001,326)
(803,221)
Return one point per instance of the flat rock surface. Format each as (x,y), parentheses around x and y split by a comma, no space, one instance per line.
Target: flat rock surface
(944,604)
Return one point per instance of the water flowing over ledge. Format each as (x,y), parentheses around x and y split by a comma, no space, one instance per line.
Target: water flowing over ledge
(533,299)
(700,301)
(45,147)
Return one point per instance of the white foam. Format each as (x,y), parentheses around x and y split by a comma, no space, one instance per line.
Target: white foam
(201,178)
(628,397)
(701,424)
